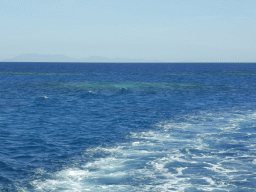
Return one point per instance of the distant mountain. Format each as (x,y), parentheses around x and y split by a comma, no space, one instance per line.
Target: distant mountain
(105,59)
(96,59)
(32,57)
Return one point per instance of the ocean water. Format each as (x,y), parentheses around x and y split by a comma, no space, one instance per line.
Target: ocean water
(127,127)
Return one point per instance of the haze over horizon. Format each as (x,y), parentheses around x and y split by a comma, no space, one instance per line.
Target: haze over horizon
(33,57)
(182,31)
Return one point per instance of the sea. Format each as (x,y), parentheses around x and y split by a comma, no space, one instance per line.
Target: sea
(79,127)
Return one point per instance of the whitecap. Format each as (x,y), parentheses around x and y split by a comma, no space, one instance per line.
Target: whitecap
(164,159)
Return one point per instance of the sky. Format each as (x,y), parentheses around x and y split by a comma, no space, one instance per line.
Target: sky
(164,30)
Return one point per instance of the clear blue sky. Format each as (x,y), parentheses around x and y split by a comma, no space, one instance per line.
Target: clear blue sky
(166,30)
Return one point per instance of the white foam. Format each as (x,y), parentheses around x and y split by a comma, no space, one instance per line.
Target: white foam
(161,159)
(209,180)
(180,169)
(135,143)
(92,92)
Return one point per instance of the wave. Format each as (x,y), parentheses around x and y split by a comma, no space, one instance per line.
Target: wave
(222,73)
(126,85)
(207,151)
(50,74)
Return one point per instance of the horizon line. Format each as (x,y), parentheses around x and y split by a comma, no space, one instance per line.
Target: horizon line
(118,62)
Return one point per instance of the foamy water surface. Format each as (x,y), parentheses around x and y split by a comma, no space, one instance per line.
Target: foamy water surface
(127,127)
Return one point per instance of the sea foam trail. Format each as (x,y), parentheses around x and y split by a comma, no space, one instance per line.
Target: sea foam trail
(203,152)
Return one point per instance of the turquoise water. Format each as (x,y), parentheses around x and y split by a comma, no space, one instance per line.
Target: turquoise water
(127,127)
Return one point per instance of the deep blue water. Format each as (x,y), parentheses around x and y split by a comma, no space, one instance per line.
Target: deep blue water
(127,127)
